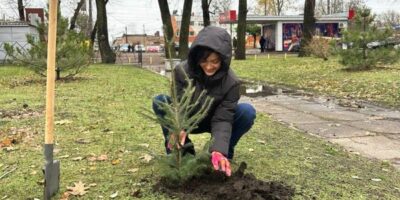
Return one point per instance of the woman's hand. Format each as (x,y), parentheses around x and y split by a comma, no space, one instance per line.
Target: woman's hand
(182,138)
(220,162)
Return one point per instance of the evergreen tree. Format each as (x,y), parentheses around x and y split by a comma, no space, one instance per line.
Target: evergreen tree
(184,112)
(73,53)
(367,46)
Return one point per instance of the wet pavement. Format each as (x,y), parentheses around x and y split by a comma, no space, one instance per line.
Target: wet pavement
(359,127)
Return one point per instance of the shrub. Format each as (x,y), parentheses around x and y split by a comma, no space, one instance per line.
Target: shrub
(319,47)
(72,54)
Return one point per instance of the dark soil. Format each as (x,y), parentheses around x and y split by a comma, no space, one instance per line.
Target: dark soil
(214,185)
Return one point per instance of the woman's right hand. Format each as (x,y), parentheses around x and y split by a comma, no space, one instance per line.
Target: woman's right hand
(182,138)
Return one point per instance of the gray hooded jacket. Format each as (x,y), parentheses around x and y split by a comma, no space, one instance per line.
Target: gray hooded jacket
(223,86)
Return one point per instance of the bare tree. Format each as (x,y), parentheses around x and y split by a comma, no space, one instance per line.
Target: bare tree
(168,30)
(389,18)
(205,6)
(184,29)
(107,55)
(21,10)
(240,53)
(274,7)
(308,26)
(76,13)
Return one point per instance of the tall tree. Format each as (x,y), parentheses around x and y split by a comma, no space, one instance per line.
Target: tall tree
(254,30)
(184,29)
(168,30)
(308,26)
(274,7)
(21,10)
(76,13)
(240,53)
(107,55)
(205,6)
(389,18)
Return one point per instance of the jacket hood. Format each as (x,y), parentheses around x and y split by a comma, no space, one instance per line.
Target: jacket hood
(217,39)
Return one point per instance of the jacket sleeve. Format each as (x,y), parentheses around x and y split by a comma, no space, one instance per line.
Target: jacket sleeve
(180,82)
(221,122)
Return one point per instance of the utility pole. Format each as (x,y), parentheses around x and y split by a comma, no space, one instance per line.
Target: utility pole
(126,34)
(265,8)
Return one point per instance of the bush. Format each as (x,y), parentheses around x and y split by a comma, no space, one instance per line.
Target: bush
(72,54)
(361,34)
(319,47)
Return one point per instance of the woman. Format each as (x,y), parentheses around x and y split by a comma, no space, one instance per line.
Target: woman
(208,65)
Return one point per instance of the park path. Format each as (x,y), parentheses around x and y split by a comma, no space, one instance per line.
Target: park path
(364,129)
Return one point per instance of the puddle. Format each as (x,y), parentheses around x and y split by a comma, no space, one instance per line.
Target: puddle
(250,89)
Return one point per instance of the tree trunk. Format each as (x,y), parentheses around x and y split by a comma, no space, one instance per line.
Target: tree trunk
(90,22)
(240,53)
(308,26)
(255,40)
(168,30)
(21,10)
(93,35)
(76,13)
(184,30)
(107,55)
(205,5)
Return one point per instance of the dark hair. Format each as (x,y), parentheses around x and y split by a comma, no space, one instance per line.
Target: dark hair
(202,54)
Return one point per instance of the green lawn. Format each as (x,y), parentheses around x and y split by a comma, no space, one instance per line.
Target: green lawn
(97,115)
(380,85)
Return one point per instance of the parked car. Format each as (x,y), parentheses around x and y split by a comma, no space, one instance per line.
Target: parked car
(124,47)
(153,49)
(140,48)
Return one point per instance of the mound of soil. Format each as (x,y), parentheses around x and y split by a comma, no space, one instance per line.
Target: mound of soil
(214,185)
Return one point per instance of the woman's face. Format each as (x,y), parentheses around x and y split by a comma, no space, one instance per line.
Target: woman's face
(211,64)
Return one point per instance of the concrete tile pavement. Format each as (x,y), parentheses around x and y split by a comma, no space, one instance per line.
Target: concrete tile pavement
(372,131)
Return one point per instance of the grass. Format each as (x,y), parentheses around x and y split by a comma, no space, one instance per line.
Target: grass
(97,115)
(380,85)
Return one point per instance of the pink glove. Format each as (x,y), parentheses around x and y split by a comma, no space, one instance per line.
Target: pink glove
(220,162)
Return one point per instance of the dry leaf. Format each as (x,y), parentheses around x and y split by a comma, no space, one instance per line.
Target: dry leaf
(102,157)
(146,158)
(136,193)
(82,141)
(77,158)
(79,189)
(376,179)
(65,196)
(115,162)
(62,122)
(64,156)
(251,150)
(114,195)
(6,142)
(261,141)
(133,170)
(92,185)
(144,145)
(355,177)
(92,159)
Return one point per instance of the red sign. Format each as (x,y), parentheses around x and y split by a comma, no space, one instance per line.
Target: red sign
(227,16)
(34,11)
(352,13)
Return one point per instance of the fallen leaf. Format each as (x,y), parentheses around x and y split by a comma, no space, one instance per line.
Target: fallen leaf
(115,162)
(6,142)
(82,141)
(64,156)
(92,159)
(65,196)
(261,141)
(62,122)
(33,173)
(79,189)
(136,193)
(251,150)
(77,158)
(133,170)
(102,157)
(144,145)
(146,158)
(376,179)
(92,185)
(112,196)
(355,177)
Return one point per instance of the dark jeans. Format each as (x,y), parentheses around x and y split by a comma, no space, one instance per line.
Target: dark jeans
(244,117)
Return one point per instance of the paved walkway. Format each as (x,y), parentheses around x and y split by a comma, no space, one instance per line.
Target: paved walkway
(371,131)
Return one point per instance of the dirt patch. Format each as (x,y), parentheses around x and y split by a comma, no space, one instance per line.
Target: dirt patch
(216,186)
(19,114)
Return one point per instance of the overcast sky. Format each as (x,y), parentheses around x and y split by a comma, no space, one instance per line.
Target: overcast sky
(143,16)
